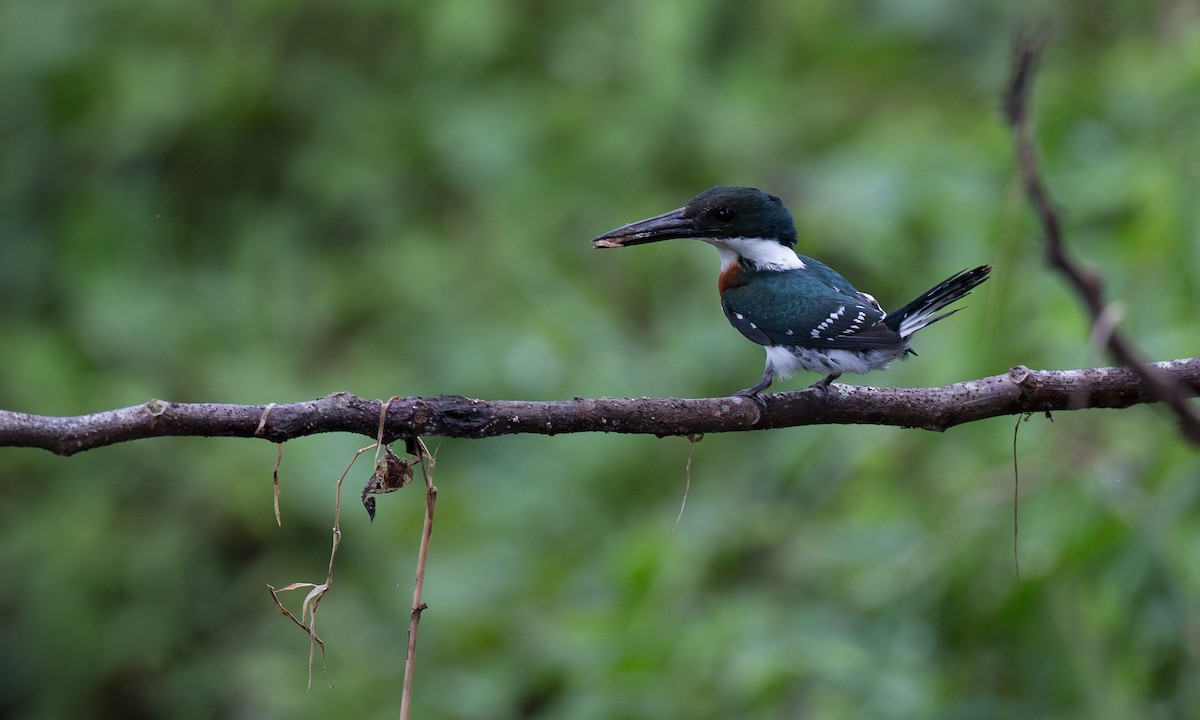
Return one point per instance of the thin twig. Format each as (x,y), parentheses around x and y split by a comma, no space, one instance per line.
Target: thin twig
(1016,497)
(693,441)
(1086,283)
(418,606)
(308,610)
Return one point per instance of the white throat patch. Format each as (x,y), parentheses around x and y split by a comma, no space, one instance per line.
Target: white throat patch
(765,254)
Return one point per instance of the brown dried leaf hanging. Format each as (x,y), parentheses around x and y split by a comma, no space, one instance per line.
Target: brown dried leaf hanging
(391,474)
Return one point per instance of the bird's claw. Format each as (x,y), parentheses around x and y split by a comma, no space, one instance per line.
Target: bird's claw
(752,394)
(822,386)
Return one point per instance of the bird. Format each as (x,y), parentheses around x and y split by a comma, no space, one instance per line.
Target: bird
(803,312)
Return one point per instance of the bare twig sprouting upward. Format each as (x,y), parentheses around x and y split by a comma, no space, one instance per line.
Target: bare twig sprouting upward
(1087,284)
(414,620)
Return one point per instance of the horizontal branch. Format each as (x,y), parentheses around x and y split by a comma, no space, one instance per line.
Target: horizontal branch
(1020,390)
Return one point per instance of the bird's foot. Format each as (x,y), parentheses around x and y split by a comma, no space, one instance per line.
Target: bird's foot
(752,393)
(822,385)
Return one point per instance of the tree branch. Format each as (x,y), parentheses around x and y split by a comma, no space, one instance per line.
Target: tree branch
(1087,284)
(1020,390)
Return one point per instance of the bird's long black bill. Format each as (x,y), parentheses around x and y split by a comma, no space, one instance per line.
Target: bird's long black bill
(668,226)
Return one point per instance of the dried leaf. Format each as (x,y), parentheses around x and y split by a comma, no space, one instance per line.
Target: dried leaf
(391,473)
(275,484)
(307,611)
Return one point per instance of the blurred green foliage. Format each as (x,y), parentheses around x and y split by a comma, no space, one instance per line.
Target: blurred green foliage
(269,201)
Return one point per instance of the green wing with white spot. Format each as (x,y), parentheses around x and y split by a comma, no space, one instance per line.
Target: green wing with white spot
(812,307)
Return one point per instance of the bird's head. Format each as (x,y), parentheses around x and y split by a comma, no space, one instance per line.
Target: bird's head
(727,217)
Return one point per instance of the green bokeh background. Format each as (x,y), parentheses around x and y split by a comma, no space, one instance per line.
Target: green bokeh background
(269,201)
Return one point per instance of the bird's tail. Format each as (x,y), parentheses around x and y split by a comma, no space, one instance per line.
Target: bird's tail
(920,312)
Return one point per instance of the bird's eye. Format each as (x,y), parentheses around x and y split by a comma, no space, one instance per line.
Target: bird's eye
(724,214)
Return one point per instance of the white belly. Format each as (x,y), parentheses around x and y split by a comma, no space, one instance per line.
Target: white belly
(785,360)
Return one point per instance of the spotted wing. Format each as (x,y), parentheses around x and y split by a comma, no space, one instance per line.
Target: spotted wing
(799,308)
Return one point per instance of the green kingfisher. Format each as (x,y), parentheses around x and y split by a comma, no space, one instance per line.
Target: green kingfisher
(803,312)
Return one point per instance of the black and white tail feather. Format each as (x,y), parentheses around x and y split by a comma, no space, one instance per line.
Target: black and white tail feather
(920,313)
